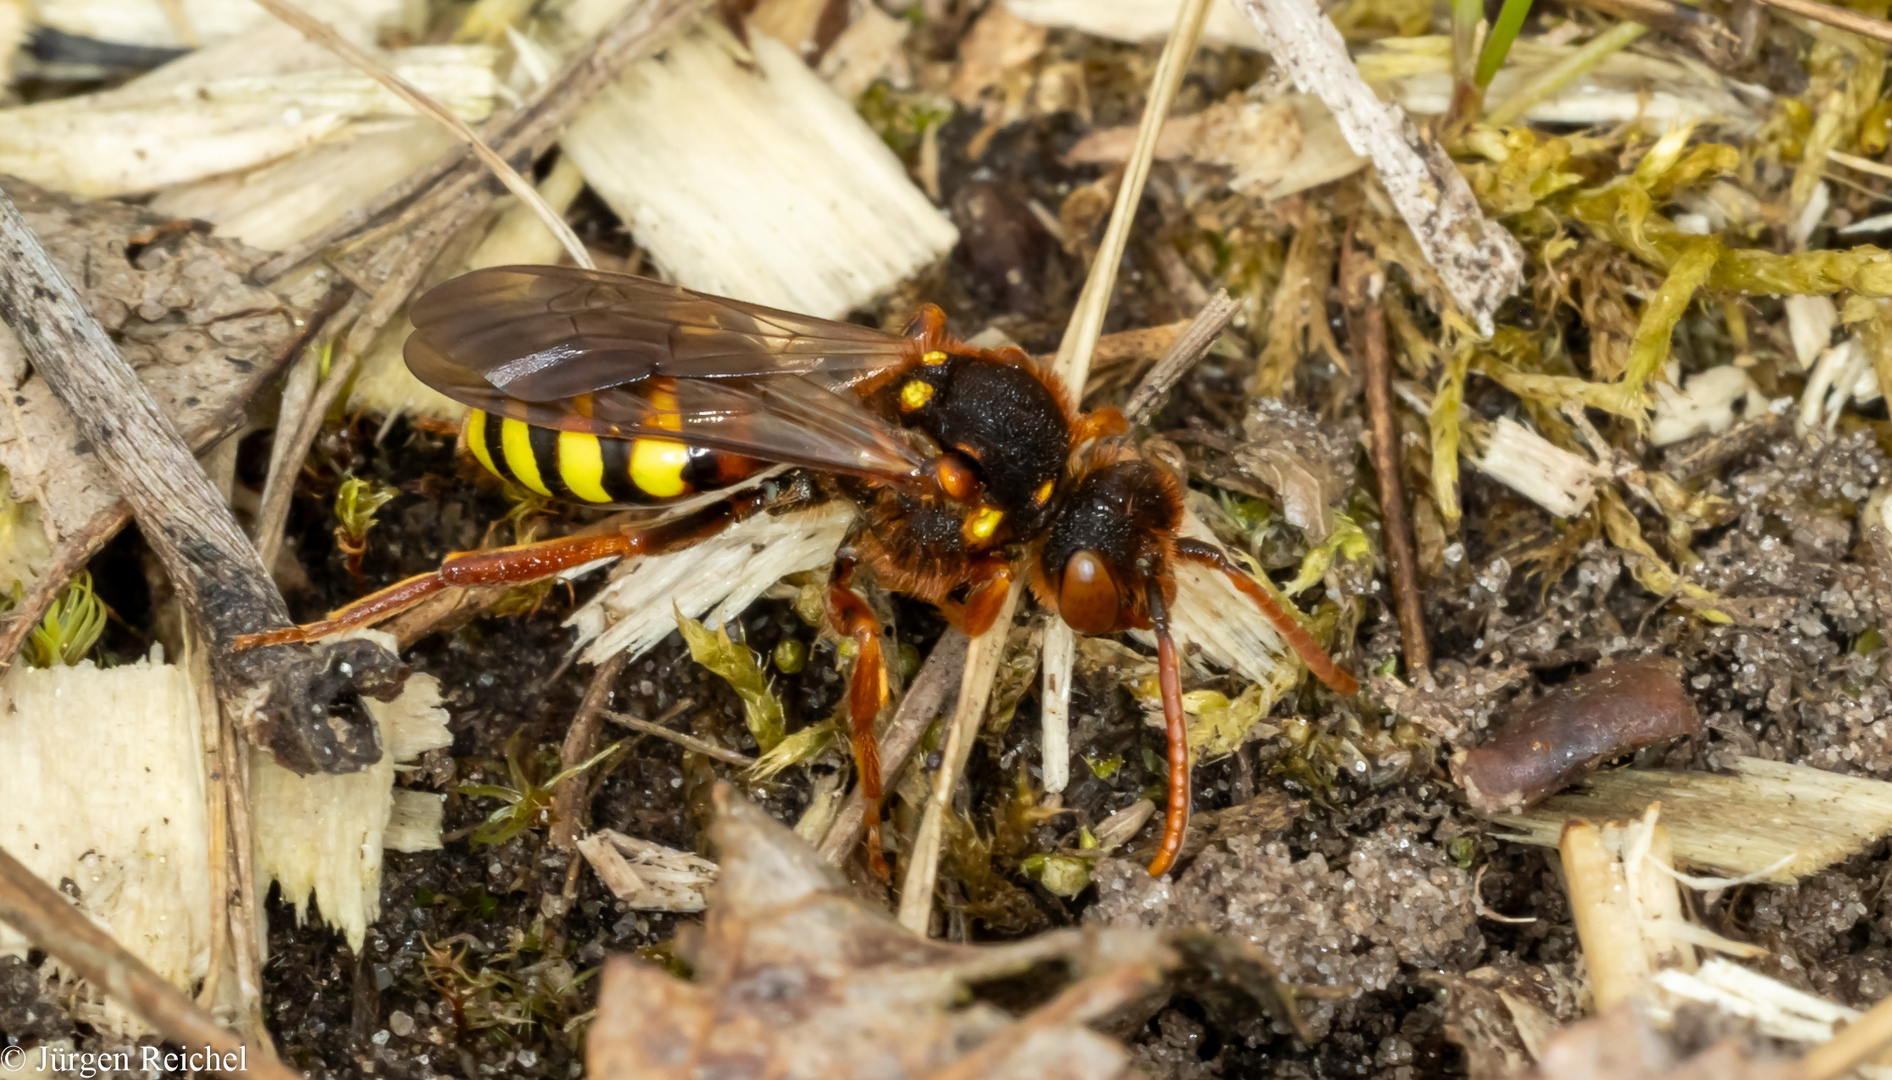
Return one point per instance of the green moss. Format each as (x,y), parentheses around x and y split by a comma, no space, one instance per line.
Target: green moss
(738,665)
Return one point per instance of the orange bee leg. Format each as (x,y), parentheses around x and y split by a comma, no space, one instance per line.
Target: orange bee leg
(515,565)
(928,326)
(518,565)
(982,607)
(1298,638)
(1098,424)
(1169,677)
(866,693)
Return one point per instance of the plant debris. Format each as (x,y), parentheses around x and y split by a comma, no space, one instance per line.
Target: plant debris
(872,999)
(1612,315)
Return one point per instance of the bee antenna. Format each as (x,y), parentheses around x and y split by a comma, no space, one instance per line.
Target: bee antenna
(1169,677)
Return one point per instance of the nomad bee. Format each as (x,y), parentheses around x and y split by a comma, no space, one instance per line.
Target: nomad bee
(963,462)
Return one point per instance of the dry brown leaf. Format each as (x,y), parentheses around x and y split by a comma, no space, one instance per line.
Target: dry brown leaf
(182,310)
(997,47)
(1271,149)
(1308,463)
(795,978)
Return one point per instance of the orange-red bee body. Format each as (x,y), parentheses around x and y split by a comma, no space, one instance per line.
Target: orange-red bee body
(616,390)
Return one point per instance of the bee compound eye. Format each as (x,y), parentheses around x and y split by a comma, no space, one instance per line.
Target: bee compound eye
(1087,594)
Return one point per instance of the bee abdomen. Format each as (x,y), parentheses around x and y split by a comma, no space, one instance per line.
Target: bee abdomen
(589,468)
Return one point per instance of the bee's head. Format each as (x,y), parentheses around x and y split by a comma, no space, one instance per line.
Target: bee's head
(1110,536)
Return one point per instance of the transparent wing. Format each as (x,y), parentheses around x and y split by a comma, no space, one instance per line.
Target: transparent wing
(624,356)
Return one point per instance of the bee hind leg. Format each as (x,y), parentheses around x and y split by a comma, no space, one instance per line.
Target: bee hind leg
(521,564)
(866,693)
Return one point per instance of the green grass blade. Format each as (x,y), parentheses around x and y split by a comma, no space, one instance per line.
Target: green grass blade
(1498,45)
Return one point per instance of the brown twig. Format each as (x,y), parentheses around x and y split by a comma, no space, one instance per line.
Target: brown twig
(930,693)
(688,742)
(286,458)
(1190,346)
(1832,15)
(1697,29)
(299,701)
(581,739)
(1398,528)
(51,923)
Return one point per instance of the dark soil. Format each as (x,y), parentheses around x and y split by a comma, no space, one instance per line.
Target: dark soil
(1368,891)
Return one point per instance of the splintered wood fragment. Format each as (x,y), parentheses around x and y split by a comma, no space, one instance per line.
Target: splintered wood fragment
(301,702)
(648,876)
(129,811)
(1781,822)
(1833,15)
(390,243)
(320,838)
(50,922)
(1626,900)
(1478,260)
(1607,924)
(325,35)
(708,143)
(1777,1010)
(527,132)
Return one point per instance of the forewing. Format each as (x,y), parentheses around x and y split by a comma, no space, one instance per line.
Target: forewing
(624,357)
(547,333)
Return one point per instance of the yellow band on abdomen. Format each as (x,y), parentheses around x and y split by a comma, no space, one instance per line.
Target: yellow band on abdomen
(515,443)
(581,466)
(475,428)
(657,467)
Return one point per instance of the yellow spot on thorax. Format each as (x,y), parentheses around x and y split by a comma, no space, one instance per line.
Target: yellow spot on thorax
(914,395)
(1043,494)
(932,357)
(515,442)
(982,523)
